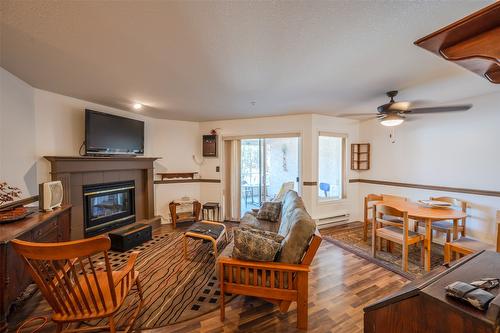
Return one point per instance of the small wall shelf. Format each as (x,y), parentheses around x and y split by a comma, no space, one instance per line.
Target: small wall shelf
(360,156)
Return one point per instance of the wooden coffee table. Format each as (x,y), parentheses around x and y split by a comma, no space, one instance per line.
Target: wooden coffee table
(206,230)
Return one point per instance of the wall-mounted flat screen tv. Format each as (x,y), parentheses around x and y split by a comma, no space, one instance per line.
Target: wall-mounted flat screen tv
(107,134)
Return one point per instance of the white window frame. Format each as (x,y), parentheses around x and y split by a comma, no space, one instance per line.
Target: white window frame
(343,196)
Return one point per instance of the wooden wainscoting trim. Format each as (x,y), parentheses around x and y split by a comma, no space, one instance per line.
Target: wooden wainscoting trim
(310,183)
(187,180)
(428,187)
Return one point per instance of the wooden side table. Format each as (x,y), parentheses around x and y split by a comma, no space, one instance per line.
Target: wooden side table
(184,217)
(211,207)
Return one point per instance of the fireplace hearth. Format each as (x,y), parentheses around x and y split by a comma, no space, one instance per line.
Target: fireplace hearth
(108,206)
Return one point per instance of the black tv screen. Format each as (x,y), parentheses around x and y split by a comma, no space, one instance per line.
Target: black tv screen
(107,134)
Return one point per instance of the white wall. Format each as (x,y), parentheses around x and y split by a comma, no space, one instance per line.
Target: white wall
(308,126)
(60,126)
(17,134)
(450,149)
(36,123)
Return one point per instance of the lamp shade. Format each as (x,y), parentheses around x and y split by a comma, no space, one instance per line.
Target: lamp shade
(392,120)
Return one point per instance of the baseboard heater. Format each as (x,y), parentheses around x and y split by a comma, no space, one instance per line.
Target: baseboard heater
(335,219)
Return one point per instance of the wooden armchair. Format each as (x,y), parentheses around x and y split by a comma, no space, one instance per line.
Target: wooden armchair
(467,245)
(394,232)
(75,286)
(278,283)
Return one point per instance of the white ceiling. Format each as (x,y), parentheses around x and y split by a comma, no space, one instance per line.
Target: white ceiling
(210,60)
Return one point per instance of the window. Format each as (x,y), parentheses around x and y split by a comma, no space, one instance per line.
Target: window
(331,170)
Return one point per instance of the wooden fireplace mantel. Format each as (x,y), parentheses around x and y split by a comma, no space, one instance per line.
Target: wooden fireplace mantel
(76,171)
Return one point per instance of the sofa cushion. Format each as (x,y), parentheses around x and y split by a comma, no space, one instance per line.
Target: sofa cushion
(251,220)
(249,245)
(291,203)
(269,211)
(302,228)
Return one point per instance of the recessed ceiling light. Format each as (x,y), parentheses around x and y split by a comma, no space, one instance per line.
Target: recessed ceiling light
(137,106)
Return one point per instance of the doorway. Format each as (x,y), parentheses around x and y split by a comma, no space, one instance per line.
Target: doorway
(266,165)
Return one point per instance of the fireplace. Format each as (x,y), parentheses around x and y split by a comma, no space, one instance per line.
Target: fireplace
(108,206)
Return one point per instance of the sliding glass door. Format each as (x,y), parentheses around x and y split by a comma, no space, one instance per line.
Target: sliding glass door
(268,165)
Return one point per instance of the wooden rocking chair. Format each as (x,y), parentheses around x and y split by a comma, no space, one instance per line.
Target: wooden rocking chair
(77,288)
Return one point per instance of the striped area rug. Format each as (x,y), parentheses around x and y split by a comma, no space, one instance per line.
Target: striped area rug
(174,289)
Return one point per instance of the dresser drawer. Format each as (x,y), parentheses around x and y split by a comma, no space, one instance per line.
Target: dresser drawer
(47,232)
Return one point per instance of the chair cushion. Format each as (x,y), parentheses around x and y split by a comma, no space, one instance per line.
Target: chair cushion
(396,232)
(472,244)
(251,220)
(302,228)
(391,218)
(269,211)
(250,245)
(445,225)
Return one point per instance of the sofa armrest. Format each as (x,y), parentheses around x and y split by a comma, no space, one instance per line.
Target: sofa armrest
(267,265)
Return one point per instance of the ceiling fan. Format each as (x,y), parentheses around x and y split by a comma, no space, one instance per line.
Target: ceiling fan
(394,113)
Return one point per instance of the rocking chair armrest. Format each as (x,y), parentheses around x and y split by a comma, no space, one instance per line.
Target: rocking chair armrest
(269,265)
(128,268)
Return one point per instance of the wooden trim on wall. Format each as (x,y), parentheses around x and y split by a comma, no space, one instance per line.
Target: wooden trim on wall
(187,180)
(428,187)
(310,183)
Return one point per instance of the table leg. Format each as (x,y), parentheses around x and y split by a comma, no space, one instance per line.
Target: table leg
(455,229)
(428,231)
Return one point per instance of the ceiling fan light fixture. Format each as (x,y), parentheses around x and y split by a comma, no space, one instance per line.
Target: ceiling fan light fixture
(392,120)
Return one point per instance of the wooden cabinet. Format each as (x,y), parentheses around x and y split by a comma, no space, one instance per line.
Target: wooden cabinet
(210,146)
(14,277)
(423,306)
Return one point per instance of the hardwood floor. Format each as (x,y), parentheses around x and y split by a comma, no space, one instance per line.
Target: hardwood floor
(340,285)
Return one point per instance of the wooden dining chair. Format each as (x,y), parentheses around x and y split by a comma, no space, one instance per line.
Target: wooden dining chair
(447,226)
(390,197)
(77,285)
(466,245)
(393,232)
(367,208)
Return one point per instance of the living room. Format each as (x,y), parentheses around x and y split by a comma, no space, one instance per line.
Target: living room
(232,114)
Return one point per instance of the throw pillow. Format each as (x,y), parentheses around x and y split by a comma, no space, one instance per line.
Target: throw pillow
(269,211)
(268,234)
(249,245)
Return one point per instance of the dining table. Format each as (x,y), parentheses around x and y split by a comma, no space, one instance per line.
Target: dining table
(427,215)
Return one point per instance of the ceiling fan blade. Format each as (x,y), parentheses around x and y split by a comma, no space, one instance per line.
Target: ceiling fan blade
(400,106)
(347,115)
(434,109)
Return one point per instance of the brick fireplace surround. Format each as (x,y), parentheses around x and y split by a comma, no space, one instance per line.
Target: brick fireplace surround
(75,171)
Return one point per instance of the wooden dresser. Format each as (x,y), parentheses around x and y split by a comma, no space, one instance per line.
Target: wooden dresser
(423,306)
(52,226)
